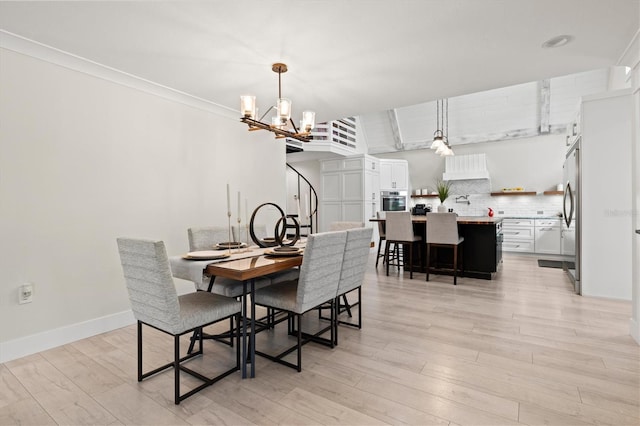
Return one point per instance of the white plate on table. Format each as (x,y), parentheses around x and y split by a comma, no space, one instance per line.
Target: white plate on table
(205,255)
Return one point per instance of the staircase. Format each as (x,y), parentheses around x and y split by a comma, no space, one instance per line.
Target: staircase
(306,197)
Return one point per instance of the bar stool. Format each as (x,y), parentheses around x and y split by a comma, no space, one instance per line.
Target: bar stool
(399,230)
(442,231)
(383,237)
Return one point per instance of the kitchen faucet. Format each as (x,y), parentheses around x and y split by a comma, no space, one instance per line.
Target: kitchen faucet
(464,198)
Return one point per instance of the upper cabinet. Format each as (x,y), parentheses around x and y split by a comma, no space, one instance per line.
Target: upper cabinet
(394,175)
(349,190)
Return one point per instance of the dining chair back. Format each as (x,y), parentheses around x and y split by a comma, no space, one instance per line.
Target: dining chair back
(155,302)
(152,293)
(354,265)
(442,231)
(317,283)
(205,238)
(320,269)
(399,231)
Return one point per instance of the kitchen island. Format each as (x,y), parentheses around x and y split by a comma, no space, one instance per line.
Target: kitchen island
(481,250)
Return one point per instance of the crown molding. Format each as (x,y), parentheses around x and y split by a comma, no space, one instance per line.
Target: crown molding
(631,55)
(73,62)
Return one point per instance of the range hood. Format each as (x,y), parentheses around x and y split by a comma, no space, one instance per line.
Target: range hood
(466,167)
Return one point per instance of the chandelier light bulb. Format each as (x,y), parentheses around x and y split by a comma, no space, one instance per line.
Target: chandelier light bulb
(308,121)
(284,109)
(248,106)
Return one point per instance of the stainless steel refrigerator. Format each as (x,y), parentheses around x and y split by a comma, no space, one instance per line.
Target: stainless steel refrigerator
(570,235)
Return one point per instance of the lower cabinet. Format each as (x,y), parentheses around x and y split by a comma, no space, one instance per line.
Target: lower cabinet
(548,236)
(542,236)
(519,235)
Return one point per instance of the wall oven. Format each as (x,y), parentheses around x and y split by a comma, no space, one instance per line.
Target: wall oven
(394,201)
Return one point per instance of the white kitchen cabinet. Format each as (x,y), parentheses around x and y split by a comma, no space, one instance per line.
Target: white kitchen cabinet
(518,235)
(548,236)
(350,190)
(394,175)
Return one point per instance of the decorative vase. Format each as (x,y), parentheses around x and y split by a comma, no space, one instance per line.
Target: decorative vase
(442,208)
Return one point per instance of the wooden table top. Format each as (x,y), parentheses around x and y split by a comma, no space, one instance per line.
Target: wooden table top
(253,267)
(463,220)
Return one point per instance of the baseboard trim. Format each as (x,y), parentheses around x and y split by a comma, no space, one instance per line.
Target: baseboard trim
(18,348)
(634,330)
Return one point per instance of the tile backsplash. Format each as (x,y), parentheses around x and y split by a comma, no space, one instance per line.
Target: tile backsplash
(509,205)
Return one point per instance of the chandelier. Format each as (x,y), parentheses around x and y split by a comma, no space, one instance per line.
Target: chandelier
(282,118)
(441,138)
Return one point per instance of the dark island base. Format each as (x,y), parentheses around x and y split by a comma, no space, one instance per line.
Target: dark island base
(481,252)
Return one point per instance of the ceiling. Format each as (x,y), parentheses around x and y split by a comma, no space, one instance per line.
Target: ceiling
(345,58)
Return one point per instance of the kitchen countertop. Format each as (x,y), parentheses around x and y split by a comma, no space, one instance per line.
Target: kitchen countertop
(531,217)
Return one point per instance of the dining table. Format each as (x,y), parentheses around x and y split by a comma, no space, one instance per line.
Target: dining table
(244,265)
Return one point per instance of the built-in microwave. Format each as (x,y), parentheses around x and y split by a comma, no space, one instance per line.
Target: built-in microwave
(394,201)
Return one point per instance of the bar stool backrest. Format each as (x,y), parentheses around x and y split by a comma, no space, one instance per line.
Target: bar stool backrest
(399,226)
(442,228)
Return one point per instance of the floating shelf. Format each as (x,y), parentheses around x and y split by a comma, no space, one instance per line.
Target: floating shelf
(425,196)
(493,194)
(553,192)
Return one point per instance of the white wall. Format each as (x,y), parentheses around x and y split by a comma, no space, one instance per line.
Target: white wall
(631,58)
(533,163)
(84,160)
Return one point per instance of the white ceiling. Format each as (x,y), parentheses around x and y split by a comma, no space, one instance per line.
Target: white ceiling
(345,57)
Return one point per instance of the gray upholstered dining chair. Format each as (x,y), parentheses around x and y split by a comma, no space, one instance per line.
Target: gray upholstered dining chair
(399,231)
(317,284)
(345,306)
(354,265)
(155,303)
(343,226)
(442,231)
(205,238)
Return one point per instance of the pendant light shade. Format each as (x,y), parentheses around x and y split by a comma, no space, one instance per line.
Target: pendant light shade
(308,121)
(248,106)
(441,138)
(283,105)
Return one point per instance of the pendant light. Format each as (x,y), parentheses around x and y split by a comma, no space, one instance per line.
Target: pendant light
(282,117)
(438,136)
(441,138)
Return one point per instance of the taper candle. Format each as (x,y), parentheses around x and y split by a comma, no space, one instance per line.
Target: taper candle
(228,201)
(239,216)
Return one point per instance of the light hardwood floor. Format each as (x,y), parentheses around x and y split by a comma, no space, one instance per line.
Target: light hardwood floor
(521,349)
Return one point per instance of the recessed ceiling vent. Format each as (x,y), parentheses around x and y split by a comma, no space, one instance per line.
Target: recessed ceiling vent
(465,167)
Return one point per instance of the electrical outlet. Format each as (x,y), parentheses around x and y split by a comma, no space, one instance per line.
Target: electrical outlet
(25,293)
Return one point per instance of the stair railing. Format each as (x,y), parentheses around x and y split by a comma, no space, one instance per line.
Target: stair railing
(312,208)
